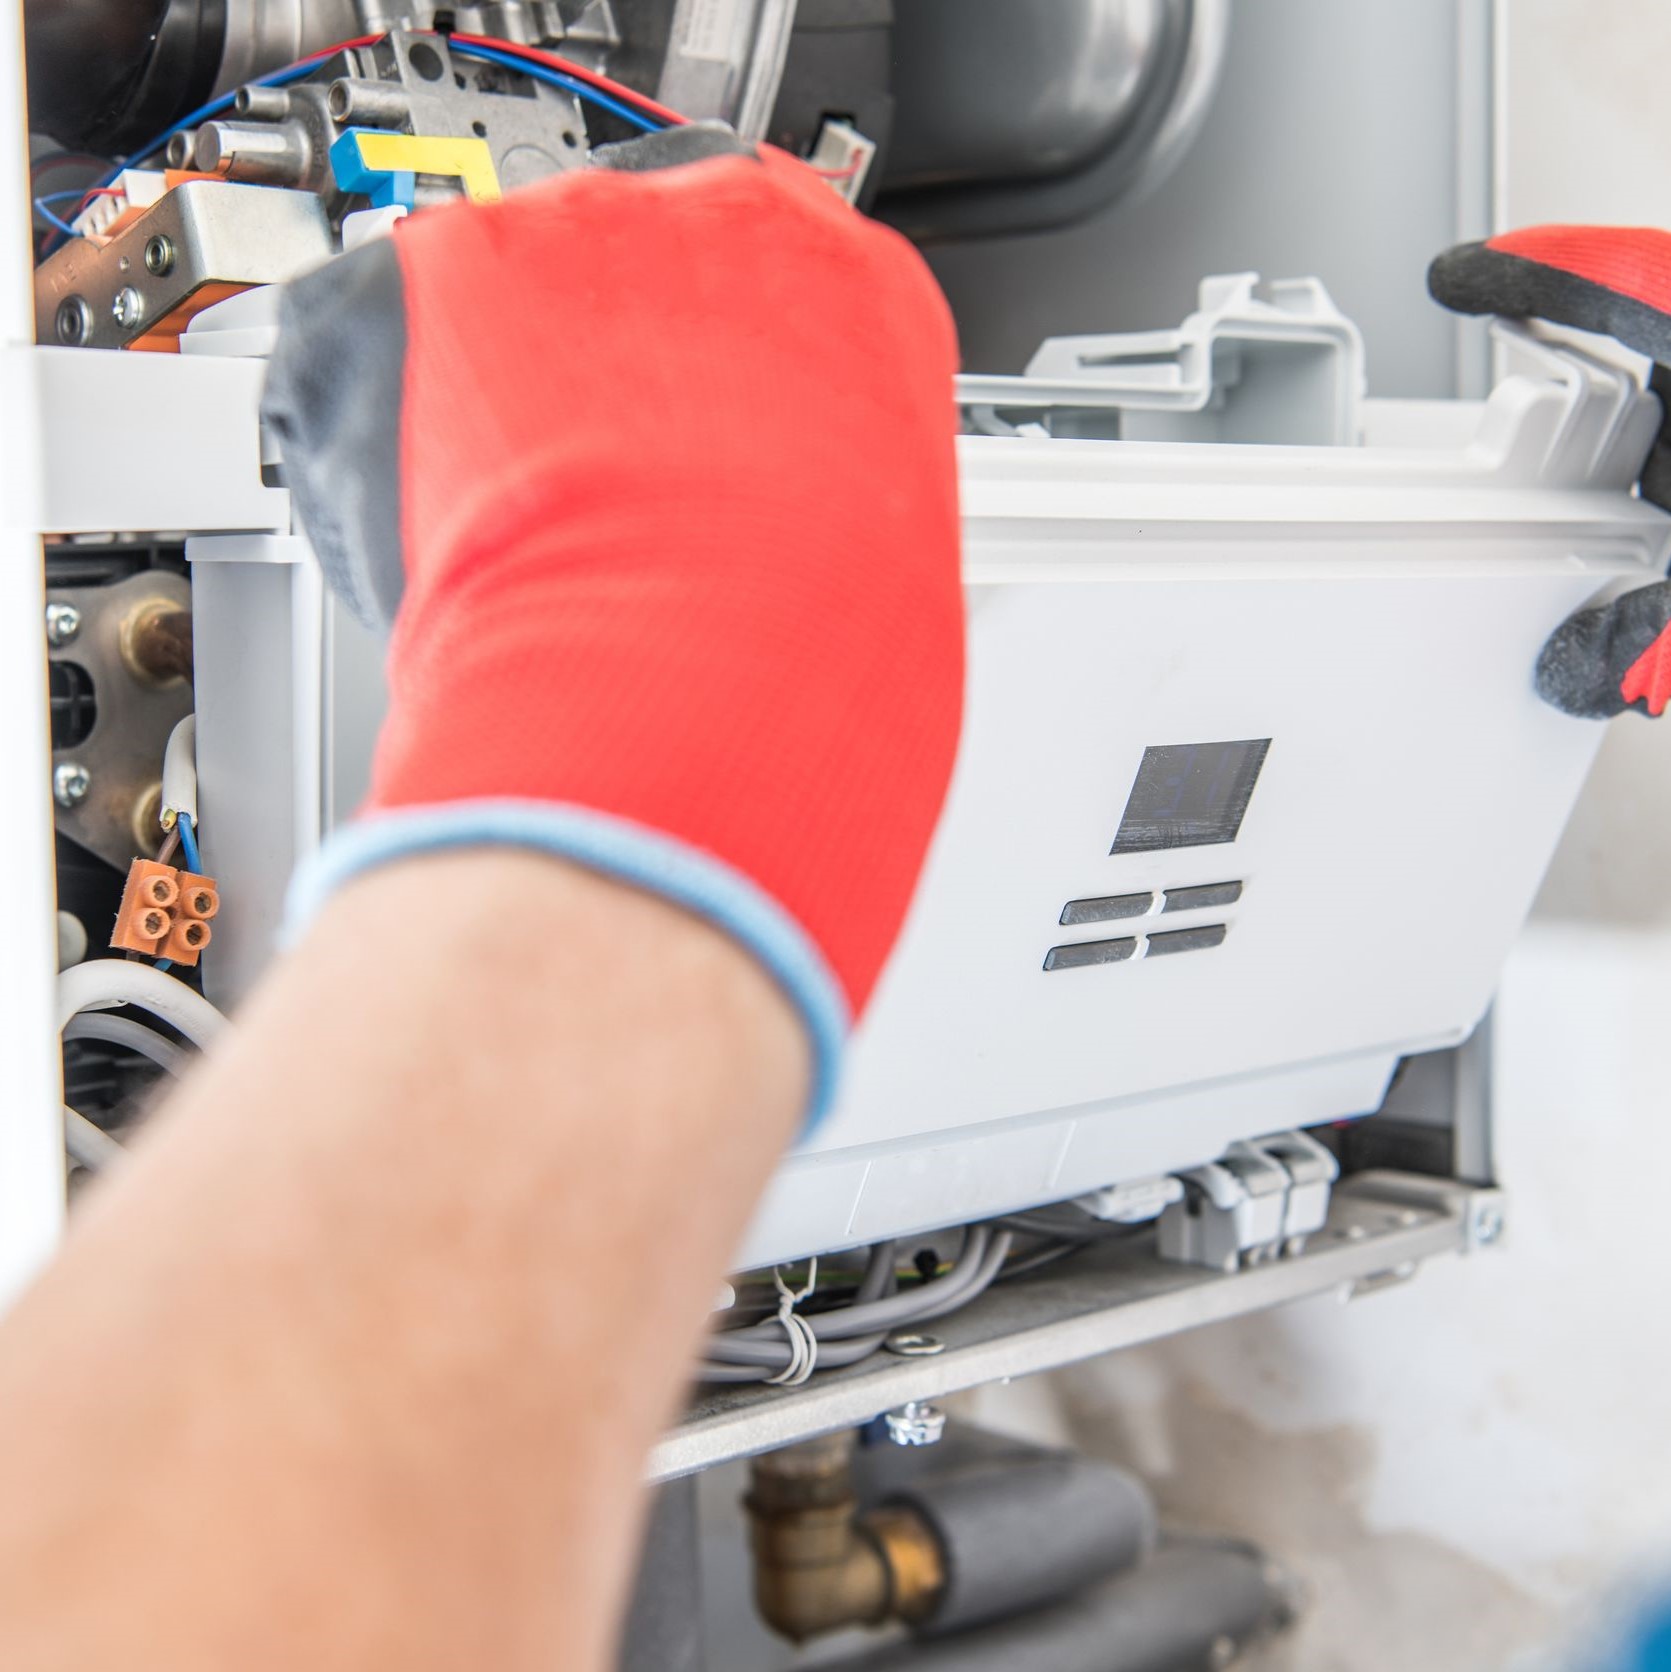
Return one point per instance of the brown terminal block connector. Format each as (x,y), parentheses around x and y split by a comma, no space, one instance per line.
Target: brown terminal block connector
(199,896)
(199,900)
(186,940)
(165,912)
(145,917)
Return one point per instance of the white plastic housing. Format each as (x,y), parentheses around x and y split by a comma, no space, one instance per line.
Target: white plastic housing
(1374,611)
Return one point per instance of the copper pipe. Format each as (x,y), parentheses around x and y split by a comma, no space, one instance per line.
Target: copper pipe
(820,1566)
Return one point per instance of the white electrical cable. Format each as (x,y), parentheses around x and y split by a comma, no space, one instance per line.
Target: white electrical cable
(106,983)
(135,1036)
(179,773)
(90,1145)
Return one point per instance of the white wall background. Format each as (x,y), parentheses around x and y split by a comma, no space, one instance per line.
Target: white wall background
(1462,1467)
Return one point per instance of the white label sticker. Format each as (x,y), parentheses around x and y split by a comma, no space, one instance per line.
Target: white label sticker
(713,28)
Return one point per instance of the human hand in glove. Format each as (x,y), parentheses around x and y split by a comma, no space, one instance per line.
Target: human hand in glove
(651,470)
(357,1364)
(1606,657)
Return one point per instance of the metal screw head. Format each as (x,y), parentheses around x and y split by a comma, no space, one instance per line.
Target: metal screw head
(63,622)
(159,255)
(74,321)
(911,1345)
(915,1424)
(1488,1224)
(71,782)
(128,307)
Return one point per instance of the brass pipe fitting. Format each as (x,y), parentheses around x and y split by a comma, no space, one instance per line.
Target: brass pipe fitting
(820,1566)
(156,642)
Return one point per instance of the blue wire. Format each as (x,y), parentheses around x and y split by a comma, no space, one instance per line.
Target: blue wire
(529,67)
(278,78)
(51,219)
(59,225)
(537,71)
(188,843)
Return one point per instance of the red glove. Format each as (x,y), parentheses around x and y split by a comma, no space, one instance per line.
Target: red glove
(670,457)
(1615,280)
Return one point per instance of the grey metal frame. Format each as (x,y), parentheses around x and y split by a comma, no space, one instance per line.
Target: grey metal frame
(1381,1227)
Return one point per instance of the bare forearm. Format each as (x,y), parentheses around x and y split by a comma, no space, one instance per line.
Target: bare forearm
(403,1244)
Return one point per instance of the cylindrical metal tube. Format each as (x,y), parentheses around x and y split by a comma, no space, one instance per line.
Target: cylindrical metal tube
(275,155)
(262,104)
(1192,1604)
(368,103)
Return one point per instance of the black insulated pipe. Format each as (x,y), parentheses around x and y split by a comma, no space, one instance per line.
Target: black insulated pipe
(1021,1525)
(1192,1606)
(663,1630)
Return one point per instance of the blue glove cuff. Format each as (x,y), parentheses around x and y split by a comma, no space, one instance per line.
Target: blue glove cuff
(632,853)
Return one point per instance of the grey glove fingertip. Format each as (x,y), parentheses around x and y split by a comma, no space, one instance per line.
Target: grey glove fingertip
(333,400)
(692,142)
(1584,662)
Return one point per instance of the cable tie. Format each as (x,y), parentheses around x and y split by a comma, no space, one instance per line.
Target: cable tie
(803,1343)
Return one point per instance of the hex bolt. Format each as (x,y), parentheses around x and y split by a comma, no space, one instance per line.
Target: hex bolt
(128,307)
(159,255)
(74,321)
(910,1345)
(63,622)
(915,1424)
(71,782)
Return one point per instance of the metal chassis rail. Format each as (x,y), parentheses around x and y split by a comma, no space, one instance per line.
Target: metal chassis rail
(1381,1227)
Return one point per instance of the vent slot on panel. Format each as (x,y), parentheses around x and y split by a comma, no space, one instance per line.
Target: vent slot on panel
(1083,954)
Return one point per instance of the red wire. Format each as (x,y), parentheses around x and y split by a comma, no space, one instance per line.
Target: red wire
(97,191)
(341,46)
(603,83)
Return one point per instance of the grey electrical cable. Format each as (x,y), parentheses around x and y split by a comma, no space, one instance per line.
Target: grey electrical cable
(888,1313)
(88,1144)
(879,1275)
(1036,1259)
(124,1030)
(878,1279)
(851,1333)
(1074,1225)
(986,1274)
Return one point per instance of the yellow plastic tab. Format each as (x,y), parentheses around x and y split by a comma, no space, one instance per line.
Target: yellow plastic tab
(468,160)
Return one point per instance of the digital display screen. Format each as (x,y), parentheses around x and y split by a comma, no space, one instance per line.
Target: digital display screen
(1190,795)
